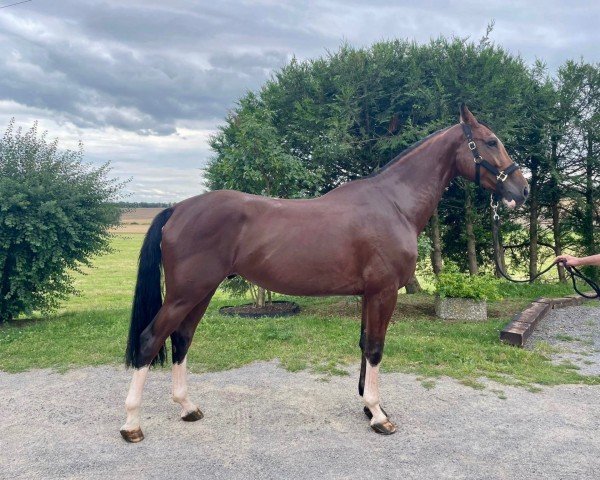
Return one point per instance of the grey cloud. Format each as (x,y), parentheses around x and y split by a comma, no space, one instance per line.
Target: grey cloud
(249,62)
(89,80)
(153,67)
(143,66)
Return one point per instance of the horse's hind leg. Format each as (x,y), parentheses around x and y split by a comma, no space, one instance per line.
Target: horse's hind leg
(131,430)
(151,341)
(181,340)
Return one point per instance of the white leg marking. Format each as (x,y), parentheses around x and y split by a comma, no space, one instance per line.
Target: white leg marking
(134,399)
(371,394)
(180,389)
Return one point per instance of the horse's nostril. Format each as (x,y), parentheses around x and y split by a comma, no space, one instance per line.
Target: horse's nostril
(525,191)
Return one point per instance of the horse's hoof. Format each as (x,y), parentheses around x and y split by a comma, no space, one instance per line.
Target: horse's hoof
(193,416)
(385,428)
(132,436)
(370,415)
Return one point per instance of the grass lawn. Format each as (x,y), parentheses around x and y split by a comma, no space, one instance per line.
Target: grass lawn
(91,329)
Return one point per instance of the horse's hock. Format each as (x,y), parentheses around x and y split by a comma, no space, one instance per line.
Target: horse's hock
(461,309)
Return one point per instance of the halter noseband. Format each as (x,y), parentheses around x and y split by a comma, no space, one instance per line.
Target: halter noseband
(501,175)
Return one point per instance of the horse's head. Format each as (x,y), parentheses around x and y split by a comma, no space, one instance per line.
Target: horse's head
(483,159)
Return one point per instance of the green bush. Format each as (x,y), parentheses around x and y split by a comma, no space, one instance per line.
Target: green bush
(55,212)
(454,284)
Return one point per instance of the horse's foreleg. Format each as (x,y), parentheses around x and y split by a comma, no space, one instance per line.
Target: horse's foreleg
(379,419)
(379,308)
(361,344)
(131,431)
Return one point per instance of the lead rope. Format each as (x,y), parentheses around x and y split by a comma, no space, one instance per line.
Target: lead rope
(572,271)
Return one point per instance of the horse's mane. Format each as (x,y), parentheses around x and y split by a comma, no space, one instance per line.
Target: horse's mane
(405,152)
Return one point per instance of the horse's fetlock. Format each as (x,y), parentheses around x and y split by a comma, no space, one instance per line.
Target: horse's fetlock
(370,399)
(131,405)
(180,395)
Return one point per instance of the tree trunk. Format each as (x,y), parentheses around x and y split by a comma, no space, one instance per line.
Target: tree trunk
(434,235)
(413,285)
(557,240)
(471,244)
(260,298)
(533,220)
(253,294)
(588,217)
(554,201)
(588,229)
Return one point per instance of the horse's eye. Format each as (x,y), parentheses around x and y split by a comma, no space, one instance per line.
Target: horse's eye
(492,143)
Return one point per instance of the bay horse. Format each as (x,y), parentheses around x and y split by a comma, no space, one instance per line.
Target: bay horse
(358,239)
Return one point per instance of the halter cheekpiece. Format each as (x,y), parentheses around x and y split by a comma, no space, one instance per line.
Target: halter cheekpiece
(501,175)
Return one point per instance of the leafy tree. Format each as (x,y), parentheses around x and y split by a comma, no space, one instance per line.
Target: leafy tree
(54,214)
(579,88)
(347,114)
(251,158)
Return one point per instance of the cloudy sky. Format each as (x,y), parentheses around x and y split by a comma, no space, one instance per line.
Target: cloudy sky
(144,83)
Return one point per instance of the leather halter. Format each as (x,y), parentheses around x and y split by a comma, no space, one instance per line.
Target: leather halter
(501,175)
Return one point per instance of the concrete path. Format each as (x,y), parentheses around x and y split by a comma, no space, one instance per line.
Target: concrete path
(574,335)
(262,422)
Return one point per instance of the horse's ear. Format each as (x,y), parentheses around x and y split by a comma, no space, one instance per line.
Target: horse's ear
(466,116)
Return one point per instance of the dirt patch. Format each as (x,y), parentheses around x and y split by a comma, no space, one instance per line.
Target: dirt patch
(277,308)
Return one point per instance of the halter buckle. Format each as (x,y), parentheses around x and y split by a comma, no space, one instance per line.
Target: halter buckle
(472,145)
(502,176)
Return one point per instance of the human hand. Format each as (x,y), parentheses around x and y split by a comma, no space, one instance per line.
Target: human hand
(569,260)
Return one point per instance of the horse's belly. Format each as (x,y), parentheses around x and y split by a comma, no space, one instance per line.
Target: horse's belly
(305,276)
(309,286)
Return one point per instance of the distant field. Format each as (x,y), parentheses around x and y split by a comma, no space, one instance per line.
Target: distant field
(137,220)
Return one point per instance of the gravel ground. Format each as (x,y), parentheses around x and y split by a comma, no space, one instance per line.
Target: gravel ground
(574,334)
(262,422)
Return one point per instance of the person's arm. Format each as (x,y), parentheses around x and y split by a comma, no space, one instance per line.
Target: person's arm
(578,261)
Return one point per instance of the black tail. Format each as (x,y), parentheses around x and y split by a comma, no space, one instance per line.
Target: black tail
(148,298)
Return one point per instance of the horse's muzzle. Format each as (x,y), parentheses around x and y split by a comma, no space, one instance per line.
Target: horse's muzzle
(514,195)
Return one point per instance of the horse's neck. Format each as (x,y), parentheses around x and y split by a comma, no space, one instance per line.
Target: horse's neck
(416,182)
